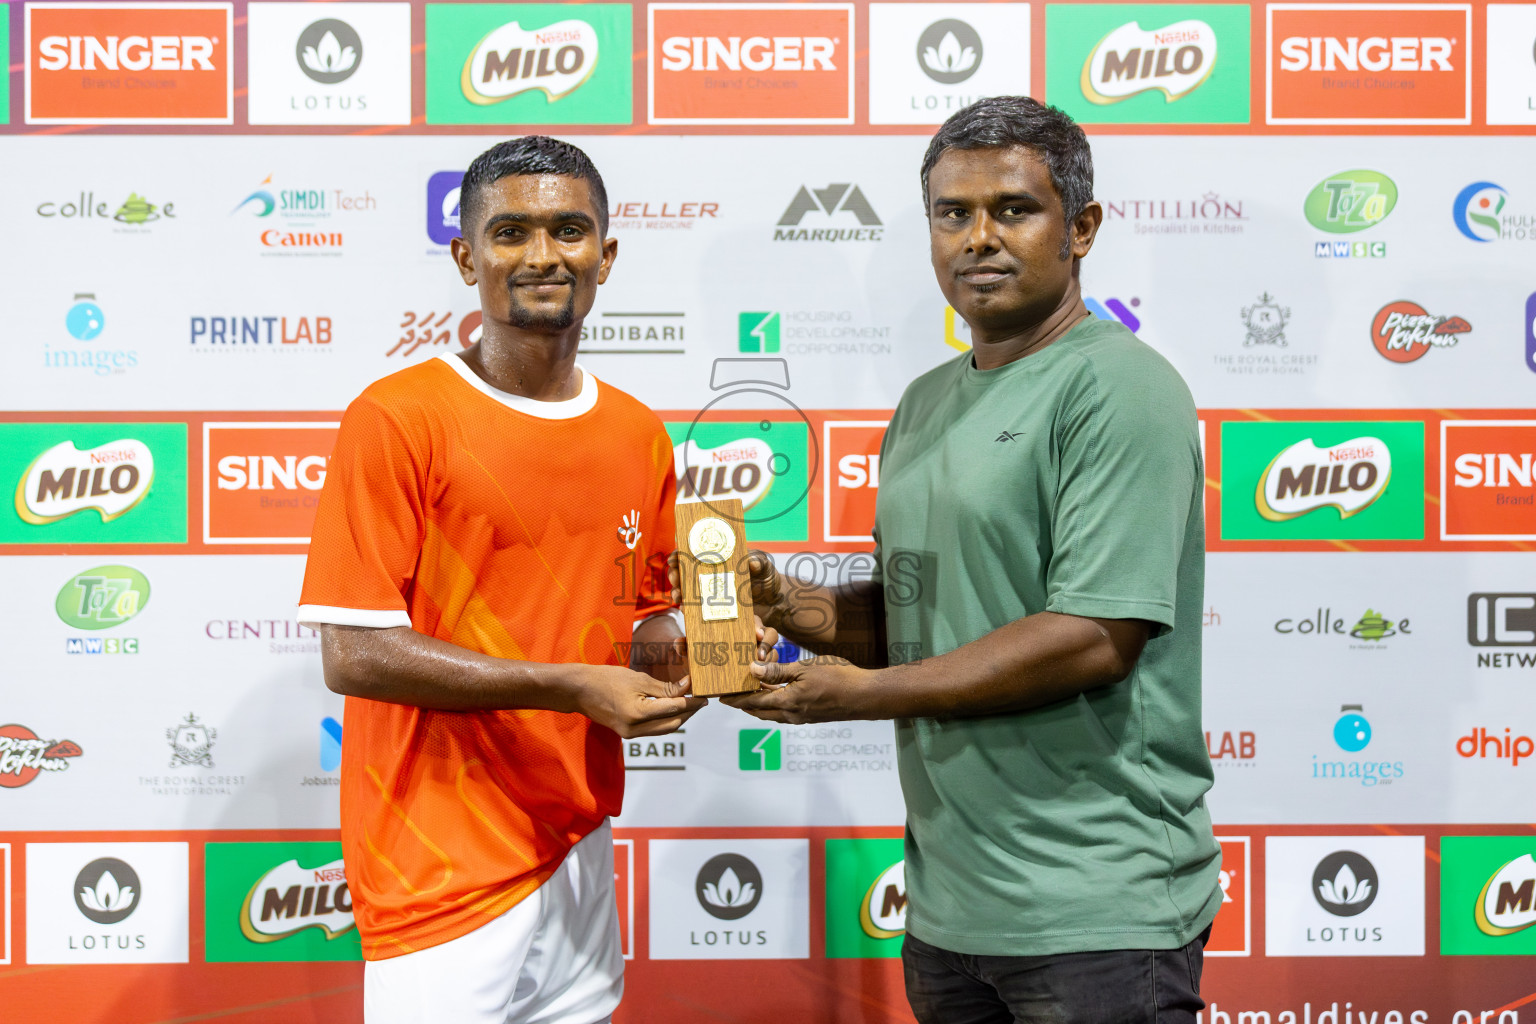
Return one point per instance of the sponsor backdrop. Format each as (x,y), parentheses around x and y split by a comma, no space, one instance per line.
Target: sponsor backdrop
(1322,214)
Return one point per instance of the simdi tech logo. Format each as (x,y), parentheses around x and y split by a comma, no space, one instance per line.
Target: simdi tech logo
(94,483)
(1344,480)
(278,901)
(1487,896)
(129,63)
(1369,64)
(528,64)
(1488,480)
(745,63)
(1148,63)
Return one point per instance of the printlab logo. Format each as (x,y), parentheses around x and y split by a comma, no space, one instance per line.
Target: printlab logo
(760,750)
(1478,213)
(1404,331)
(24,756)
(1345,884)
(838,201)
(329,51)
(191,743)
(949,51)
(729,886)
(107,890)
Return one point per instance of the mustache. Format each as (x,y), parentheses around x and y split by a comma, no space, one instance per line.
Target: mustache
(552,279)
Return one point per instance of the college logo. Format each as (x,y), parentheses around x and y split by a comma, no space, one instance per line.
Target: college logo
(714,890)
(278,901)
(111,479)
(833,201)
(1487,895)
(1350,201)
(852,478)
(1369,64)
(789,63)
(1155,63)
(262,481)
(1488,479)
(1322,481)
(107,890)
(1346,876)
(24,756)
(328,63)
(1371,627)
(1403,331)
(767,464)
(528,64)
(143,63)
(928,60)
(130,215)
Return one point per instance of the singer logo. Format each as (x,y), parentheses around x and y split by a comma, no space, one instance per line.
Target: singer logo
(1488,479)
(1231,933)
(751,64)
(129,63)
(852,478)
(1304,478)
(1130,60)
(262,481)
(1370,64)
(511,61)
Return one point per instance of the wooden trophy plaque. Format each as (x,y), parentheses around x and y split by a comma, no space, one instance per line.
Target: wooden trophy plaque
(717,596)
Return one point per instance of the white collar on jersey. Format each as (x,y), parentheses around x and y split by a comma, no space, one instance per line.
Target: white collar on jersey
(566,410)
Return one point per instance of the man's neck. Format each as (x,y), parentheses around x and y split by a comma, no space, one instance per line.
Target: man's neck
(1010,345)
(534,364)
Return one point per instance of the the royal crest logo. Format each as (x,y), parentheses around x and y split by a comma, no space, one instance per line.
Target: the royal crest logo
(1173,60)
(512,60)
(111,478)
(24,755)
(290,898)
(191,744)
(1265,321)
(1304,478)
(1507,903)
(1404,331)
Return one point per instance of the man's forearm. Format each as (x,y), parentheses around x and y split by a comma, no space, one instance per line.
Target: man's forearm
(845,621)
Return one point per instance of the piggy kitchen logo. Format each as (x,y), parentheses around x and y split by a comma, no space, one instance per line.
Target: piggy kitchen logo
(24,755)
(139,63)
(1369,64)
(111,479)
(1488,479)
(1174,60)
(102,598)
(288,899)
(789,63)
(1403,331)
(262,481)
(511,60)
(1304,478)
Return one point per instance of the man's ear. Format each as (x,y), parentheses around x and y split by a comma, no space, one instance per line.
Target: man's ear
(610,253)
(464,259)
(1085,228)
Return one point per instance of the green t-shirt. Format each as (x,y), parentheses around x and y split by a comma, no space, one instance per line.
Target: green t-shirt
(1067,481)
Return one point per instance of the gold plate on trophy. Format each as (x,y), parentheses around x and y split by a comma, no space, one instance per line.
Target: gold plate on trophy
(711,540)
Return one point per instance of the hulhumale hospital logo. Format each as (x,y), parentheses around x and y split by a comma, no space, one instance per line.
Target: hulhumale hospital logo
(1479,214)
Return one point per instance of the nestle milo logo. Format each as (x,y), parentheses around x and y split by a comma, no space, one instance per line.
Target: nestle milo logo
(1350,201)
(103,597)
(111,478)
(1304,478)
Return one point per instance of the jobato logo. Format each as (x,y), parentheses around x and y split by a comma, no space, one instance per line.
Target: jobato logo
(1173,60)
(927,60)
(1488,479)
(138,63)
(1404,331)
(110,479)
(1367,895)
(787,63)
(328,63)
(841,202)
(24,755)
(1369,64)
(262,481)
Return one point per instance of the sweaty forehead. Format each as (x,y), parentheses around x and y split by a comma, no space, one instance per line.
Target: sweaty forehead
(976,175)
(537,194)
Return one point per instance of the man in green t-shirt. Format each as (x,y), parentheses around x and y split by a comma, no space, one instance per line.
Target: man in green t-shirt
(1033,625)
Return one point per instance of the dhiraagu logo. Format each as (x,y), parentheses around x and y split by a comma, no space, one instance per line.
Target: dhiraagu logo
(1350,201)
(1148,63)
(760,750)
(866,897)
(1288,481)
(529,64)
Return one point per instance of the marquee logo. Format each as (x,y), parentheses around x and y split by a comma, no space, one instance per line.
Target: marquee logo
(138,63)
(262,481)
(511,60)
(24,755)
(1369,64)
(1173,60)
(1304,478)
(789,63)
(1404,331)
(111,479)
(103,597)
(1488,479)
(1350,201)
(1507,903)
(832,201)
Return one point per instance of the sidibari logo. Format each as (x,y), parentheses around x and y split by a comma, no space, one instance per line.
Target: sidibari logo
(742,469)
(1173,60)
(103,597)
(1507,903)
(883,911)
(1350,201)
(511,60)
(23,755)
(728,886)
(290,898)
(1304,478)
(63,480)
(1345,884)
(1403,331)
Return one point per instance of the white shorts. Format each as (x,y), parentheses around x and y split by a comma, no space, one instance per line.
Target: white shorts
(554,958)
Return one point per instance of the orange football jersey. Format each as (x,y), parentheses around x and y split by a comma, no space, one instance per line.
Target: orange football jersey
(522,529)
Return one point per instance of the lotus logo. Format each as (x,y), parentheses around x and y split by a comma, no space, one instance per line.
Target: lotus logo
(1345,883)
(329,51)
(103,597)
(1132,60)
(949,51)
(107,890)
(512,60)
(739,469)
(883,913)
(1350,201)
(1304,478)
(290,898)
(111,479)
(1507,903)
(1476,210)
(729,886)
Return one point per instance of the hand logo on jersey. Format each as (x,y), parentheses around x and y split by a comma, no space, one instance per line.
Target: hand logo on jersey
(629,533)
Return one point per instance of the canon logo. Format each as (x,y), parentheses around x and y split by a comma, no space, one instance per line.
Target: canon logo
(268,472)
(126,53)
(1374,53)
(755,53)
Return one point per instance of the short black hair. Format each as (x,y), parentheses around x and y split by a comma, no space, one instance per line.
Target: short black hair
(531,154)
(1001,121)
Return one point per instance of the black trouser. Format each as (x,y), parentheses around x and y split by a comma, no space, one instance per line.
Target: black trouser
(1122,986)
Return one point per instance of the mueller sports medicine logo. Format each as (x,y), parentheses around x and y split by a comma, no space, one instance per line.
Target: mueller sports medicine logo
(786,63)
(1304,478)
(511,60)
(262,481)
(1488,479)
(840,202)
(289,898)
(24,755)
(111,479)
(1404,331)
(1369,64)
(1173,60)
(137,63)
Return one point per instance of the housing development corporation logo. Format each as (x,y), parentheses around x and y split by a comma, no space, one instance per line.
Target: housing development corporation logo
(138,63)
(24,755)
(927,60)
(1152,63)
(1488,479)
(1404,331)
(328,63)
(1369,63)
(278,901)
(528,64)
(1487,895)
(788,63)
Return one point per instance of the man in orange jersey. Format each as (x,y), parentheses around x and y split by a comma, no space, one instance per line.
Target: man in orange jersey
(462,575)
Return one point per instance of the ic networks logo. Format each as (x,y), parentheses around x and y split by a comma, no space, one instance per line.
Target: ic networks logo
(1352,734)
(760,750)
(1114,309)
(1476,211)
(837,198)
